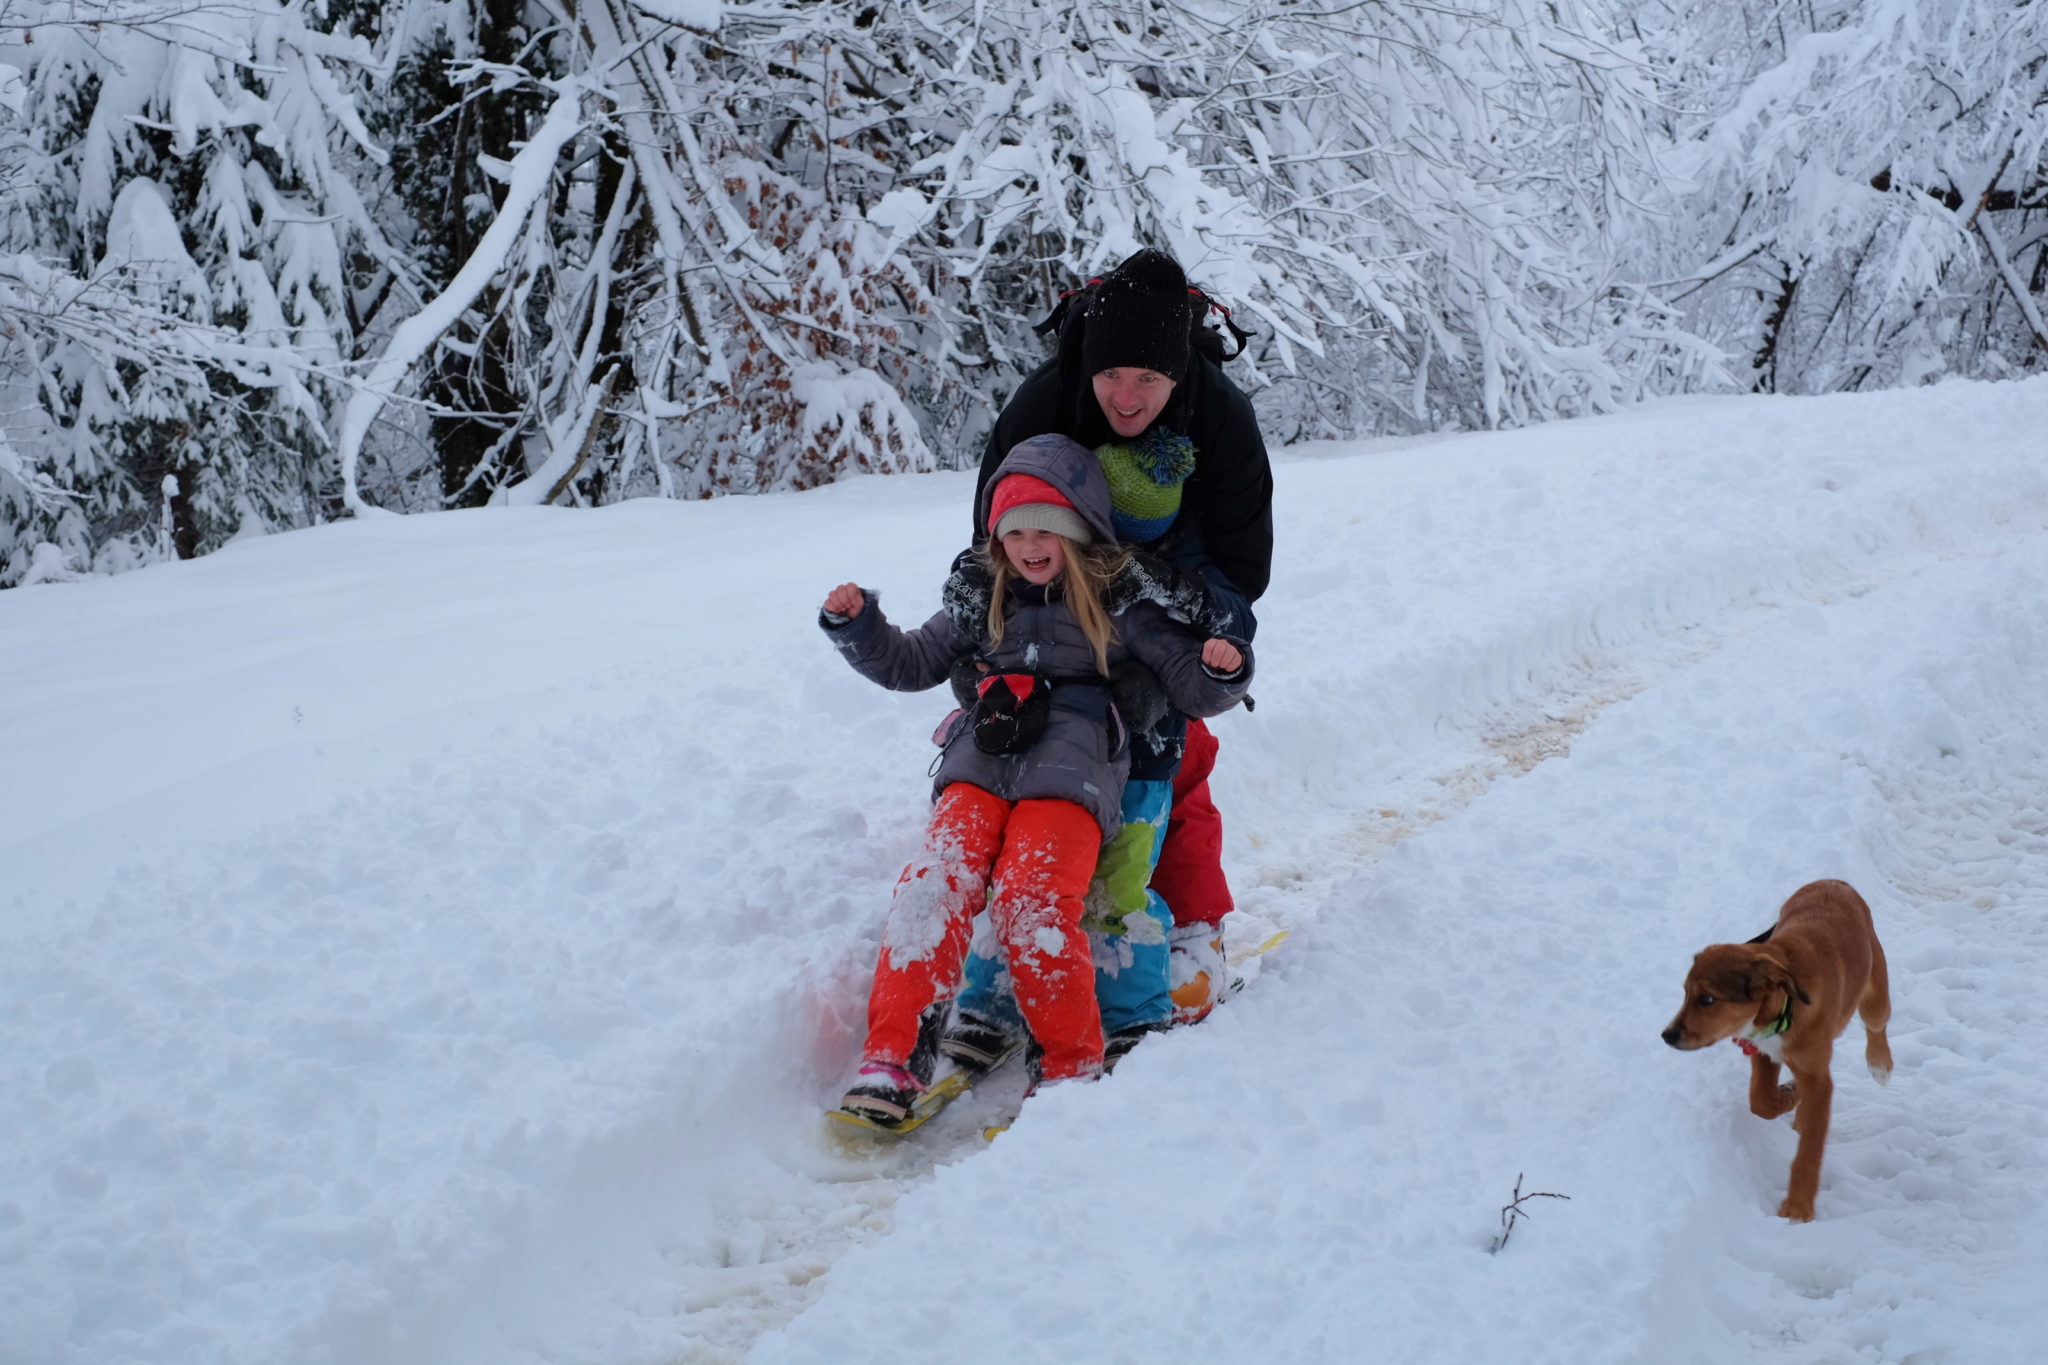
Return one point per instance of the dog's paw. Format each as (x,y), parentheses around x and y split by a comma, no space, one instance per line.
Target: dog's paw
(1881,1074)
(1796,1211)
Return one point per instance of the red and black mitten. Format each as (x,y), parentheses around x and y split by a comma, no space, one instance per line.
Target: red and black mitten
(1010,711)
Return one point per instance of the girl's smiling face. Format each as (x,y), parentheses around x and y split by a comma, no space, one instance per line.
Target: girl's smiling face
(1040,556)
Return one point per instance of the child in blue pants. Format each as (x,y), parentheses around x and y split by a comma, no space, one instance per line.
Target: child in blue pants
(1127,924)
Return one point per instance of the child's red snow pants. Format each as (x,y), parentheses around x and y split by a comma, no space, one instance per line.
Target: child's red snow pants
(1032,862)
(1190,872)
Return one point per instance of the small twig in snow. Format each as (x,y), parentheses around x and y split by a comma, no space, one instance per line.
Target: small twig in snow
(1512,1210)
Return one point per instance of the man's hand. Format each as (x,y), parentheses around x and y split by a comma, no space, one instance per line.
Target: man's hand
(1222,656)
(965,597)
(847,600)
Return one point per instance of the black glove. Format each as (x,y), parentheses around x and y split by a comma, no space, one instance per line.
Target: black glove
(965,677)
(965,598)
(1148,578)
(1139,697)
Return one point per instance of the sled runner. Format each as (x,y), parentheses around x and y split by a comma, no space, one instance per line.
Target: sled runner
(992,1131)
(929,1105)
(958,1081)
(1238,957)
(1268,946)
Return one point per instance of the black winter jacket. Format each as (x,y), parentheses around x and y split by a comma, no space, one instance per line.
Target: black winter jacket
(1228,500)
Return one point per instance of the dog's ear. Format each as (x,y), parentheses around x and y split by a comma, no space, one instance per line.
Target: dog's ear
(1781,978)
(1771,977)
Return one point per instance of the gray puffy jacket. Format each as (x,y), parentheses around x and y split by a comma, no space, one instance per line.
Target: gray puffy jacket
(1083,755)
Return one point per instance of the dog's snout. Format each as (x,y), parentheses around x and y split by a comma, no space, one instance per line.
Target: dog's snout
(1670,1035)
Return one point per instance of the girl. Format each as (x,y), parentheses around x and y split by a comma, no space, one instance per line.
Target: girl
(1030,782)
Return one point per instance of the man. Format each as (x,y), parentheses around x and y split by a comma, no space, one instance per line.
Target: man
(1132,373)
(1118,340)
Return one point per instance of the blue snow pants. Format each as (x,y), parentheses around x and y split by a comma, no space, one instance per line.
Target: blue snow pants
(1126,922)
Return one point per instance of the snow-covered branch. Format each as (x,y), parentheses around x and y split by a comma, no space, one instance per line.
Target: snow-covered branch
(527,180)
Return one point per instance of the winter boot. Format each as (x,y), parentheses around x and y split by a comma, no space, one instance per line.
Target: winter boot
(1202,978)
(1037,1080)
(1117,1044)
(882,1093)
(975,1041)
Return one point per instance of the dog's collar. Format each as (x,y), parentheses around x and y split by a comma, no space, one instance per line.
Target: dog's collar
(1748,1041)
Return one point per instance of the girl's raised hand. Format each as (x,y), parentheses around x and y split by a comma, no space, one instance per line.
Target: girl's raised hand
(845,600)
(1222,656)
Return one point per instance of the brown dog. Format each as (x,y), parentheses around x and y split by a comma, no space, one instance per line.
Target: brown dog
(1785,996)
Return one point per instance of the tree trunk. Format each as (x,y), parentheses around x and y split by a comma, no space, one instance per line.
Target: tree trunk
(1765,362)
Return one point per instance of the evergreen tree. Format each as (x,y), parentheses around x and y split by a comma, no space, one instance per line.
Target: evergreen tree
(174,202)
(1867,185)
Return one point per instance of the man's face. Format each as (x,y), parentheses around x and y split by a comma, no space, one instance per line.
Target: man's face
(1131,398)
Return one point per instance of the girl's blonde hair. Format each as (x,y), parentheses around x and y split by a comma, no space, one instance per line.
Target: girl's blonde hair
(1089,570)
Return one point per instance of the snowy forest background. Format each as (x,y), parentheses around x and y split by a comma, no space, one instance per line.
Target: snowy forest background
(263,265)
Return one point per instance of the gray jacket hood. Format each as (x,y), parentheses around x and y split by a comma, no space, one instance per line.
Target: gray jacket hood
(1067,465)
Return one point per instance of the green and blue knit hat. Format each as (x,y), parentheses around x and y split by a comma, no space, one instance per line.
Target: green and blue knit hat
(1145,477)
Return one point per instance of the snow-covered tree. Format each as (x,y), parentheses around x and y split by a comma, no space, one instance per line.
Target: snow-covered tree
(1420,207)
(1868,186)
(656,293)
(582,251)
(266,262)
(173,293)
(783,336)
(827,226)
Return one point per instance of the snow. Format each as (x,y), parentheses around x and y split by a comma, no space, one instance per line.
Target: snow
(142,231)
(701,15)
(433,939)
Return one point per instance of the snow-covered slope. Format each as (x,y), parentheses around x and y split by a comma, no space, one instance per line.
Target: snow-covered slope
(432,940)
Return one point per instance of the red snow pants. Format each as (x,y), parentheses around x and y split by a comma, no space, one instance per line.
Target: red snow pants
(1190,872)
(1031,862)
